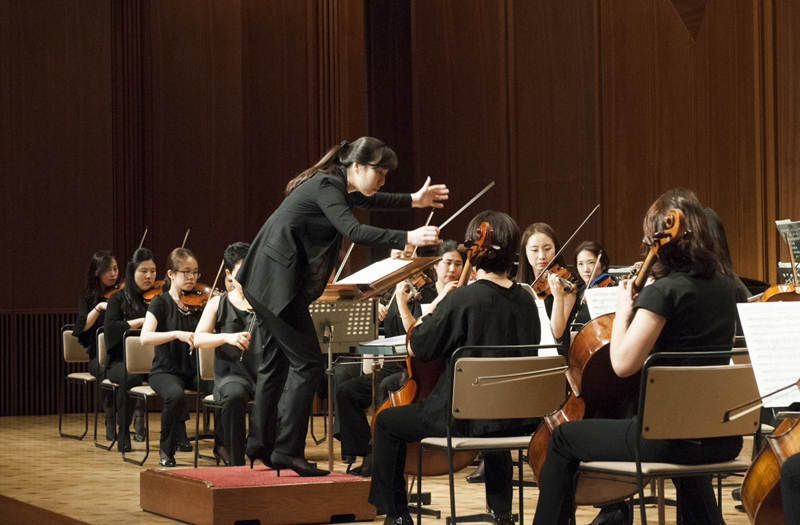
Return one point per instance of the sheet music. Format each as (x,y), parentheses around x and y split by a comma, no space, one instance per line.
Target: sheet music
(793,229)
(772,332)
(399,340)
(376,271)
(601,301)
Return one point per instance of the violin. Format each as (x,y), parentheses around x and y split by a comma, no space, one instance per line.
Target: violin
(596,390)
(197,298)
(119,285)
(542,286)
(423,377)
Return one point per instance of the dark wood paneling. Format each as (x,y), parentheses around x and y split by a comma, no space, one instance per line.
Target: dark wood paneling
(57,152)
(460,113)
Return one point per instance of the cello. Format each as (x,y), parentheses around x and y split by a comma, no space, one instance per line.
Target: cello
(423,378)
(597,391)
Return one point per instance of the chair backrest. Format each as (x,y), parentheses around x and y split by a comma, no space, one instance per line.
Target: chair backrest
(688,402)
(74,352)
(102,351)
(492,387)
(138,357)
(205,363)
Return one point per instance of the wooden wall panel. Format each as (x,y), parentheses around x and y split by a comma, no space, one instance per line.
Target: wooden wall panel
(554,179)
(460,98)
(57,148)
(787,65)
(196,135)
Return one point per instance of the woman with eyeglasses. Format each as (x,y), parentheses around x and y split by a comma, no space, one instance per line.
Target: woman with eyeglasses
(100,278)
(126,311)
(169,326)
(288,267)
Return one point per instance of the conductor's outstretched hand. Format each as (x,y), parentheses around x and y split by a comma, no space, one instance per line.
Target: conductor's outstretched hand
(430,195)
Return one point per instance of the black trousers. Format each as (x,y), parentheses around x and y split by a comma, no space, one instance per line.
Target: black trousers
(292,358)
(176,409)
(231,427)
(790,489)
(353,397)
(614,440)
(125,405)
(397,426)
(99,373)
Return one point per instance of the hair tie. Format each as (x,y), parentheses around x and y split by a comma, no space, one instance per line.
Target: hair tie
(344,144)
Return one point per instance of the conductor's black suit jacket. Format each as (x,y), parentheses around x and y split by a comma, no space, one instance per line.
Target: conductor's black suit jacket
(296,250)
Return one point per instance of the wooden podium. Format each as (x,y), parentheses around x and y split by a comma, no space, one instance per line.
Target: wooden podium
(194,497)
(366,290)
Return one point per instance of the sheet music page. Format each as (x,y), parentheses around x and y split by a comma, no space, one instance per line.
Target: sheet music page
(793,229)
(772,332)
(601,301)
(376,271)
(399,340)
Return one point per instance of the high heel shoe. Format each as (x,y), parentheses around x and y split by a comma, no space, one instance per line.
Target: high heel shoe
(166,460)
(220,455)
(298,464)
(263,457)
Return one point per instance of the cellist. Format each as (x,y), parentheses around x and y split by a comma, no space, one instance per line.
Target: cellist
(690,304)
(493,310)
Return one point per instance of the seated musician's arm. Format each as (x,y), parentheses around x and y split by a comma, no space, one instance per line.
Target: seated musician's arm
(632,335)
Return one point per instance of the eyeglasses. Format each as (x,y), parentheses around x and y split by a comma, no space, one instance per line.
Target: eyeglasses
(188,273)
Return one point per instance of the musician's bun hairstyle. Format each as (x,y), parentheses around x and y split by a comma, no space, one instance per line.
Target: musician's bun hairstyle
(505,235)
(695,254)
(367,151)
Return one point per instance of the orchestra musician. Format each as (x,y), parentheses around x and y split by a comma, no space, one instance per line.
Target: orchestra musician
(101,277)
(354,395)
(287,268)
(169,325)
(690,304)
(539,246)
(225,326)
(492,310)
(591,263)
(126,311)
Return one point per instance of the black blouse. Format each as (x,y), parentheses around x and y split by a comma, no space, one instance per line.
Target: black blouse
(173,357)
(116,324)
(230,363)
(88,338)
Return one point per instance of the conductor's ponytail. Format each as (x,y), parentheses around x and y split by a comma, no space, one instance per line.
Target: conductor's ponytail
(365,151)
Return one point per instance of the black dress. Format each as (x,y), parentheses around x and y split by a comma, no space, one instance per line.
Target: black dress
(88,337)
(116,324)
(698,312)
(174,370)
(482,313)
(235,375)
(287,268)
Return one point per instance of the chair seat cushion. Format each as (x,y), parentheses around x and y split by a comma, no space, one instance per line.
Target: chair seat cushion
(142,390)
(663,469)
(81,376)
(473,443)
(108,382)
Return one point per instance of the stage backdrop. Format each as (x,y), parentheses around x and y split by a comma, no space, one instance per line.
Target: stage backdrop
(193,114)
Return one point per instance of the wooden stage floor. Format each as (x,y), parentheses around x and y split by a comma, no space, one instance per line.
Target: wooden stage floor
(59,480)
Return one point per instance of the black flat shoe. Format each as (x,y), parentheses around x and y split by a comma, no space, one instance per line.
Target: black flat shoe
(166,461)
(263,457)
(616,515)
(124,444)
(184,446)
(504,518)
(111,430)
(298,464)
(405,519)
(140,432)
(478,475)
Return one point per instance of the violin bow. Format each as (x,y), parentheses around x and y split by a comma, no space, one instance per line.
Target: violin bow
(183,244)
(759,402)
(143,237)
(467,205)
(554,259)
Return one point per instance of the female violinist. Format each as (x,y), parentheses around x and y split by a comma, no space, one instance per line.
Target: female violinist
(226,325)
(288,267)
(690,304)
(539,246)
(101,277)
(126,311)
(493,310)
(354,395)
(169,326)
(591,261)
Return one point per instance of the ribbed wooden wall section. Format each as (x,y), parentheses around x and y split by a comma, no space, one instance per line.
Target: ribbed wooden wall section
(32,364)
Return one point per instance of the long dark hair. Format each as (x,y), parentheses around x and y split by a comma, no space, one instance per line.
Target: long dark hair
(94,290)
(505,235)
(525,273)
(174,262)
(133,306)
(717,231)
(695,254)
(367,151)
